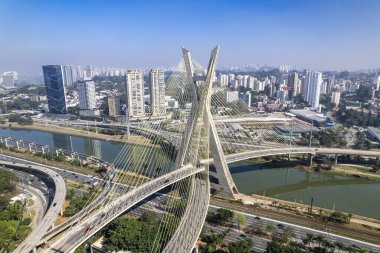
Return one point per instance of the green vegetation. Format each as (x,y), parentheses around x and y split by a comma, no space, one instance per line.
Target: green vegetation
(13,228)
(7,181)
(220,217)
(22,120)
(19,104)
(241,220)
(136,235)
(331,137)
(77,203)
(242,246)
(214,241)
(361,141)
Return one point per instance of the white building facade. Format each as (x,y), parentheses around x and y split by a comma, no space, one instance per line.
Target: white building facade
(134,83)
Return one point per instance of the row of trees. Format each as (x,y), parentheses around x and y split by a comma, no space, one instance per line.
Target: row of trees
(215,242)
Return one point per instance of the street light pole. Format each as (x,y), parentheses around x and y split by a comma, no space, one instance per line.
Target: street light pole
(311,133)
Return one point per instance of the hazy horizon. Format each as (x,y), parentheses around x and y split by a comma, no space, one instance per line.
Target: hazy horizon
(323,35)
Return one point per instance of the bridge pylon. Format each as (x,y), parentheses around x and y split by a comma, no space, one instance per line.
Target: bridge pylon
(226,186)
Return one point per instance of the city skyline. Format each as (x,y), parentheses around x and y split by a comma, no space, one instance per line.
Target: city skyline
(321,35)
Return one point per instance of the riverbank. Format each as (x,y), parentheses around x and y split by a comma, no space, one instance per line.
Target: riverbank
(133,139)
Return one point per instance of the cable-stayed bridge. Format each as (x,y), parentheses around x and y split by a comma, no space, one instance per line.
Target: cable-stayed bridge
(178,156)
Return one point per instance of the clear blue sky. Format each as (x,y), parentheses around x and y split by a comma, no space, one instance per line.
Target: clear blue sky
(330,34)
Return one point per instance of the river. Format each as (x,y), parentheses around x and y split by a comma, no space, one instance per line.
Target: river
(357,196)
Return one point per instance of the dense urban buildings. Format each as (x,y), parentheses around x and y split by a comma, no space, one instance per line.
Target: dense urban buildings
(55,88)
(134,90)
(157,92)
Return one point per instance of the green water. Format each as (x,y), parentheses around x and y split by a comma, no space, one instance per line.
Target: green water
(353,195)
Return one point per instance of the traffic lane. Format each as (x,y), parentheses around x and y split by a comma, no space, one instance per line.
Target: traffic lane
(302,231)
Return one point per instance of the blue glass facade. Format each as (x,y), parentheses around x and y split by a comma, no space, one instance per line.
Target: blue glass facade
(55,89)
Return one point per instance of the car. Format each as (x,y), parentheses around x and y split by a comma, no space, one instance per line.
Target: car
(88,229)
(355,246)
(280,226)
(55,204)
(257,218)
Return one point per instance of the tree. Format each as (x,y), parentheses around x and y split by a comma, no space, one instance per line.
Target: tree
(215,241)
(149,217)
(241,220)
(288,234)
(270,229)
(222,216)
(277,247)
(309,238)
(339,245)
(319,239)
(242,246)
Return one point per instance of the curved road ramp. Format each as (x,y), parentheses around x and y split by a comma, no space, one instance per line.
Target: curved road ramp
(53,211)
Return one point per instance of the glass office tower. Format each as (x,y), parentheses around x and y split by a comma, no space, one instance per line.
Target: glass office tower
(55,89)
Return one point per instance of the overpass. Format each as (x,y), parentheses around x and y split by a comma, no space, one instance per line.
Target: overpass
(53,211)
(200,132)
(299,150)
(69,241)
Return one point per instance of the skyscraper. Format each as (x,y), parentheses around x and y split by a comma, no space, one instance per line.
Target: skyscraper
(134,83)
(223,79)
(55,89)
(157,92)
(335,98)
(88,72)
(312,87)
(10,79)
(293,84)
(87,95)
(114,106)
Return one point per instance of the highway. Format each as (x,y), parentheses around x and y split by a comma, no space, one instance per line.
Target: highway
(297,150)
(53,211)
(37,189)
(73,238)
(300,232)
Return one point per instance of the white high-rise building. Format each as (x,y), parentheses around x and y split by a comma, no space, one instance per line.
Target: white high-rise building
(335,98)
(68,76)
(223,79)
(251,82)
(231,77)
(157,92)
(324,88)
(88,72)
(87,95)
(312,88)
(87,98)
(377,82)
(9,79)
(134,93)
(245,81)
